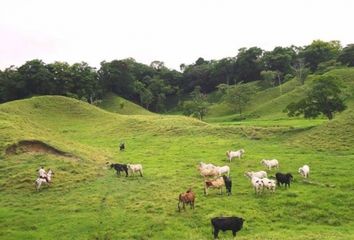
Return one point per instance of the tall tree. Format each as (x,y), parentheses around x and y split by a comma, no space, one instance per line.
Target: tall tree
(346,57)
(319,51)
(239,95)
(249,64)
(116,77)
(37,77)
(198,106)
(86,86)
(323,98)
(300,70)
(12,85)
(280,59)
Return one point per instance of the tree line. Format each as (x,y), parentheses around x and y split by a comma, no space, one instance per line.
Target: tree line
(150,85)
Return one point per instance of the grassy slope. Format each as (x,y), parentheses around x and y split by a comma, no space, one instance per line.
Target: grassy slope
(112,103)
(87,201)
(269,103)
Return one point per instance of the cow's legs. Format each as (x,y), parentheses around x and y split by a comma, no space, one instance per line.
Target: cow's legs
(216,232)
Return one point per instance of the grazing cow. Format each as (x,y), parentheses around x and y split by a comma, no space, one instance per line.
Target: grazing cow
(186,198)
(223,170)
(257,184)
(234,224)
(304,171)
(269,184)
(120,168)
(206,165)
(231,154)
(46,180)
(284,179)
(121,146)
(208,172)
(135,168)
(218,183)
(215,183)
(270,163)
(259,174)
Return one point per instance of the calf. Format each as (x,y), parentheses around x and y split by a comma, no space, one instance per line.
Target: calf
(283,179)
(186,198)
(120,168)
(234,224)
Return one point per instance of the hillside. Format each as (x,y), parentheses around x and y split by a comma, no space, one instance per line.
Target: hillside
(116,104)
(269,103)
(88,201)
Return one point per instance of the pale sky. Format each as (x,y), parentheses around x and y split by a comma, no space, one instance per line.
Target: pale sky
(172,31)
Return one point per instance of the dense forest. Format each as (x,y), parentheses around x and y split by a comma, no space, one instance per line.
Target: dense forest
(150,85)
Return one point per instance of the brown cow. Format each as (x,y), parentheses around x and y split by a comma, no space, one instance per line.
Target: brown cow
(186,198)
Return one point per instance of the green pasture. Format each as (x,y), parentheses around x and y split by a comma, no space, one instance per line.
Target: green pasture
(88,201)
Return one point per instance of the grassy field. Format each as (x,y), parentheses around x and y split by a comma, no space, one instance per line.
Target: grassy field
(88,201)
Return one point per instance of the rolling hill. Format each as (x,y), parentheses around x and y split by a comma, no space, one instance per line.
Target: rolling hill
(113,103)
(269,103)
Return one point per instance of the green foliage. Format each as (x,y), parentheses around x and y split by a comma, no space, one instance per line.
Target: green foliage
(319,51)
(238,96)
(198,106)
(346,57)
(300,71)
(249,64)
(323,98)
(154,86)
(269,77)
(280,60)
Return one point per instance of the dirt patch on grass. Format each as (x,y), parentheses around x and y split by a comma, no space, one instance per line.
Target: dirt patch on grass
(35,146)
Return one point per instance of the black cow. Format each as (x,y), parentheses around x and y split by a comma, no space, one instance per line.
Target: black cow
(122,147)
(226,223)
(228,184)
(283,179)
(120,168)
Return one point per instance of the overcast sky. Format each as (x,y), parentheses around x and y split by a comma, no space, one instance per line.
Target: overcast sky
(172,31)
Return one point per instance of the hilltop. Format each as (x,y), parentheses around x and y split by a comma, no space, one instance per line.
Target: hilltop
(113,103)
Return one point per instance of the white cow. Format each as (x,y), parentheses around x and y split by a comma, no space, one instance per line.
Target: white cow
(231,154)
(208,172)
(223,170)
(259,174)
(44,179)
(135,168)
(269,184)
(270,163)
(206,165)
(304,171)
(257,184)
